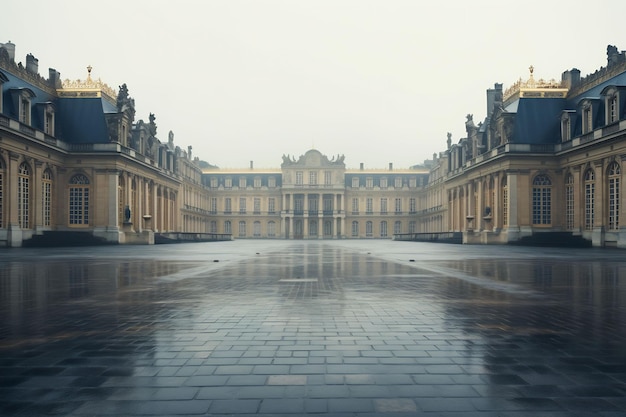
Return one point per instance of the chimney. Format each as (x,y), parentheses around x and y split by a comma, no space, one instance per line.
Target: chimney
(494,95)
(251,164)
(362,166)
(390,166)
(10,47)
(54,78)
(570,78)
(189,149)
(32,64)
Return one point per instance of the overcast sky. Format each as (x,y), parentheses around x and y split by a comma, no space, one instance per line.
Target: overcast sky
(378,81)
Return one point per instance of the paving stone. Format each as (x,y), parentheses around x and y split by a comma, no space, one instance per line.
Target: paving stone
(461,332)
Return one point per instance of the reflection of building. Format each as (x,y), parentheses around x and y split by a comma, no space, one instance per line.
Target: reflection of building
(313,198)
(73,159)
(547,158)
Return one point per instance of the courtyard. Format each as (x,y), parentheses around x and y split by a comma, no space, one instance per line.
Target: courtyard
(289,328)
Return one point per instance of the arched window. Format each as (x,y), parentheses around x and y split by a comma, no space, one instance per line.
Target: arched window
(614,195)
(383,228)
(369,229)
(397,227)
(228,227)
(23,195)
(79,200)
(355,228)
(256,229)
(542,200)
(313,227)
(46,198)
(590,188)
(213,226)
(242,228)
(569,202)
(271,229)
(328,228)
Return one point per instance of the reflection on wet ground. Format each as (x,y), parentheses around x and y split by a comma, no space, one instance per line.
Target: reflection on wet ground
(292,328)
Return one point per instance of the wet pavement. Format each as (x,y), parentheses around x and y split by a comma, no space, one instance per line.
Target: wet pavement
(341,328)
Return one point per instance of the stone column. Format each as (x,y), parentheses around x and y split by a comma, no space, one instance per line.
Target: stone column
(513,225)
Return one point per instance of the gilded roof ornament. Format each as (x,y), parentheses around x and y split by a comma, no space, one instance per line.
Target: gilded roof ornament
(532,88)
(87,88)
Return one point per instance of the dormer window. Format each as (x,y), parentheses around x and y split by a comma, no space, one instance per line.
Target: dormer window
(612,114)
(566,125)
(613,97)
(22,103)
(45,115)
(587,116)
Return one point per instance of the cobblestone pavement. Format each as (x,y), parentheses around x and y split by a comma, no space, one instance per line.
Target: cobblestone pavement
(341,328)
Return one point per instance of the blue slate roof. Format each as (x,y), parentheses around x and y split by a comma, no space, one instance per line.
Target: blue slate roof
(538,120)
(82,120)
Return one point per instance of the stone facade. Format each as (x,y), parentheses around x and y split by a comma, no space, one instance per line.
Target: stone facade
(547,160)
(313,197)
(73,159)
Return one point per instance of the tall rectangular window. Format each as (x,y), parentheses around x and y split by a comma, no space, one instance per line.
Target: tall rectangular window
(23,196)
(369,182)
(228,183)
(271,205)
(542,200)
(271,182)
(213,205)
(228,205)
(383,205)
(46,196)
(369,205)
(614,196)
(569,202)
(328,178)
(299,177)
(505,205)
(242,205)
(398,206)
(312,177)
(257,205)
(355,228)
(412,206)
(398,182)
(589,199)
(257,182)
(355,182)
(242,182)
(355,206)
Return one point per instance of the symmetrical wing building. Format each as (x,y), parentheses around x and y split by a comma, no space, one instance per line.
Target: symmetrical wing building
(544,163)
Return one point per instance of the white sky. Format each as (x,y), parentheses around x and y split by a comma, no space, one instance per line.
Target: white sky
(376,80)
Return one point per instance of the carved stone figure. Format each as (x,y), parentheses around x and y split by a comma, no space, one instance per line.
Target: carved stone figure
(152,128)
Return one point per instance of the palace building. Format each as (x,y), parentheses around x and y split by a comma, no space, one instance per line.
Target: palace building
(546,162)
(544,165)
(75,164)
(312,197)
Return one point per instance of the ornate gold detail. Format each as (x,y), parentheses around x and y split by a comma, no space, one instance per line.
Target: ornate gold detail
(535,88)
(87,88)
